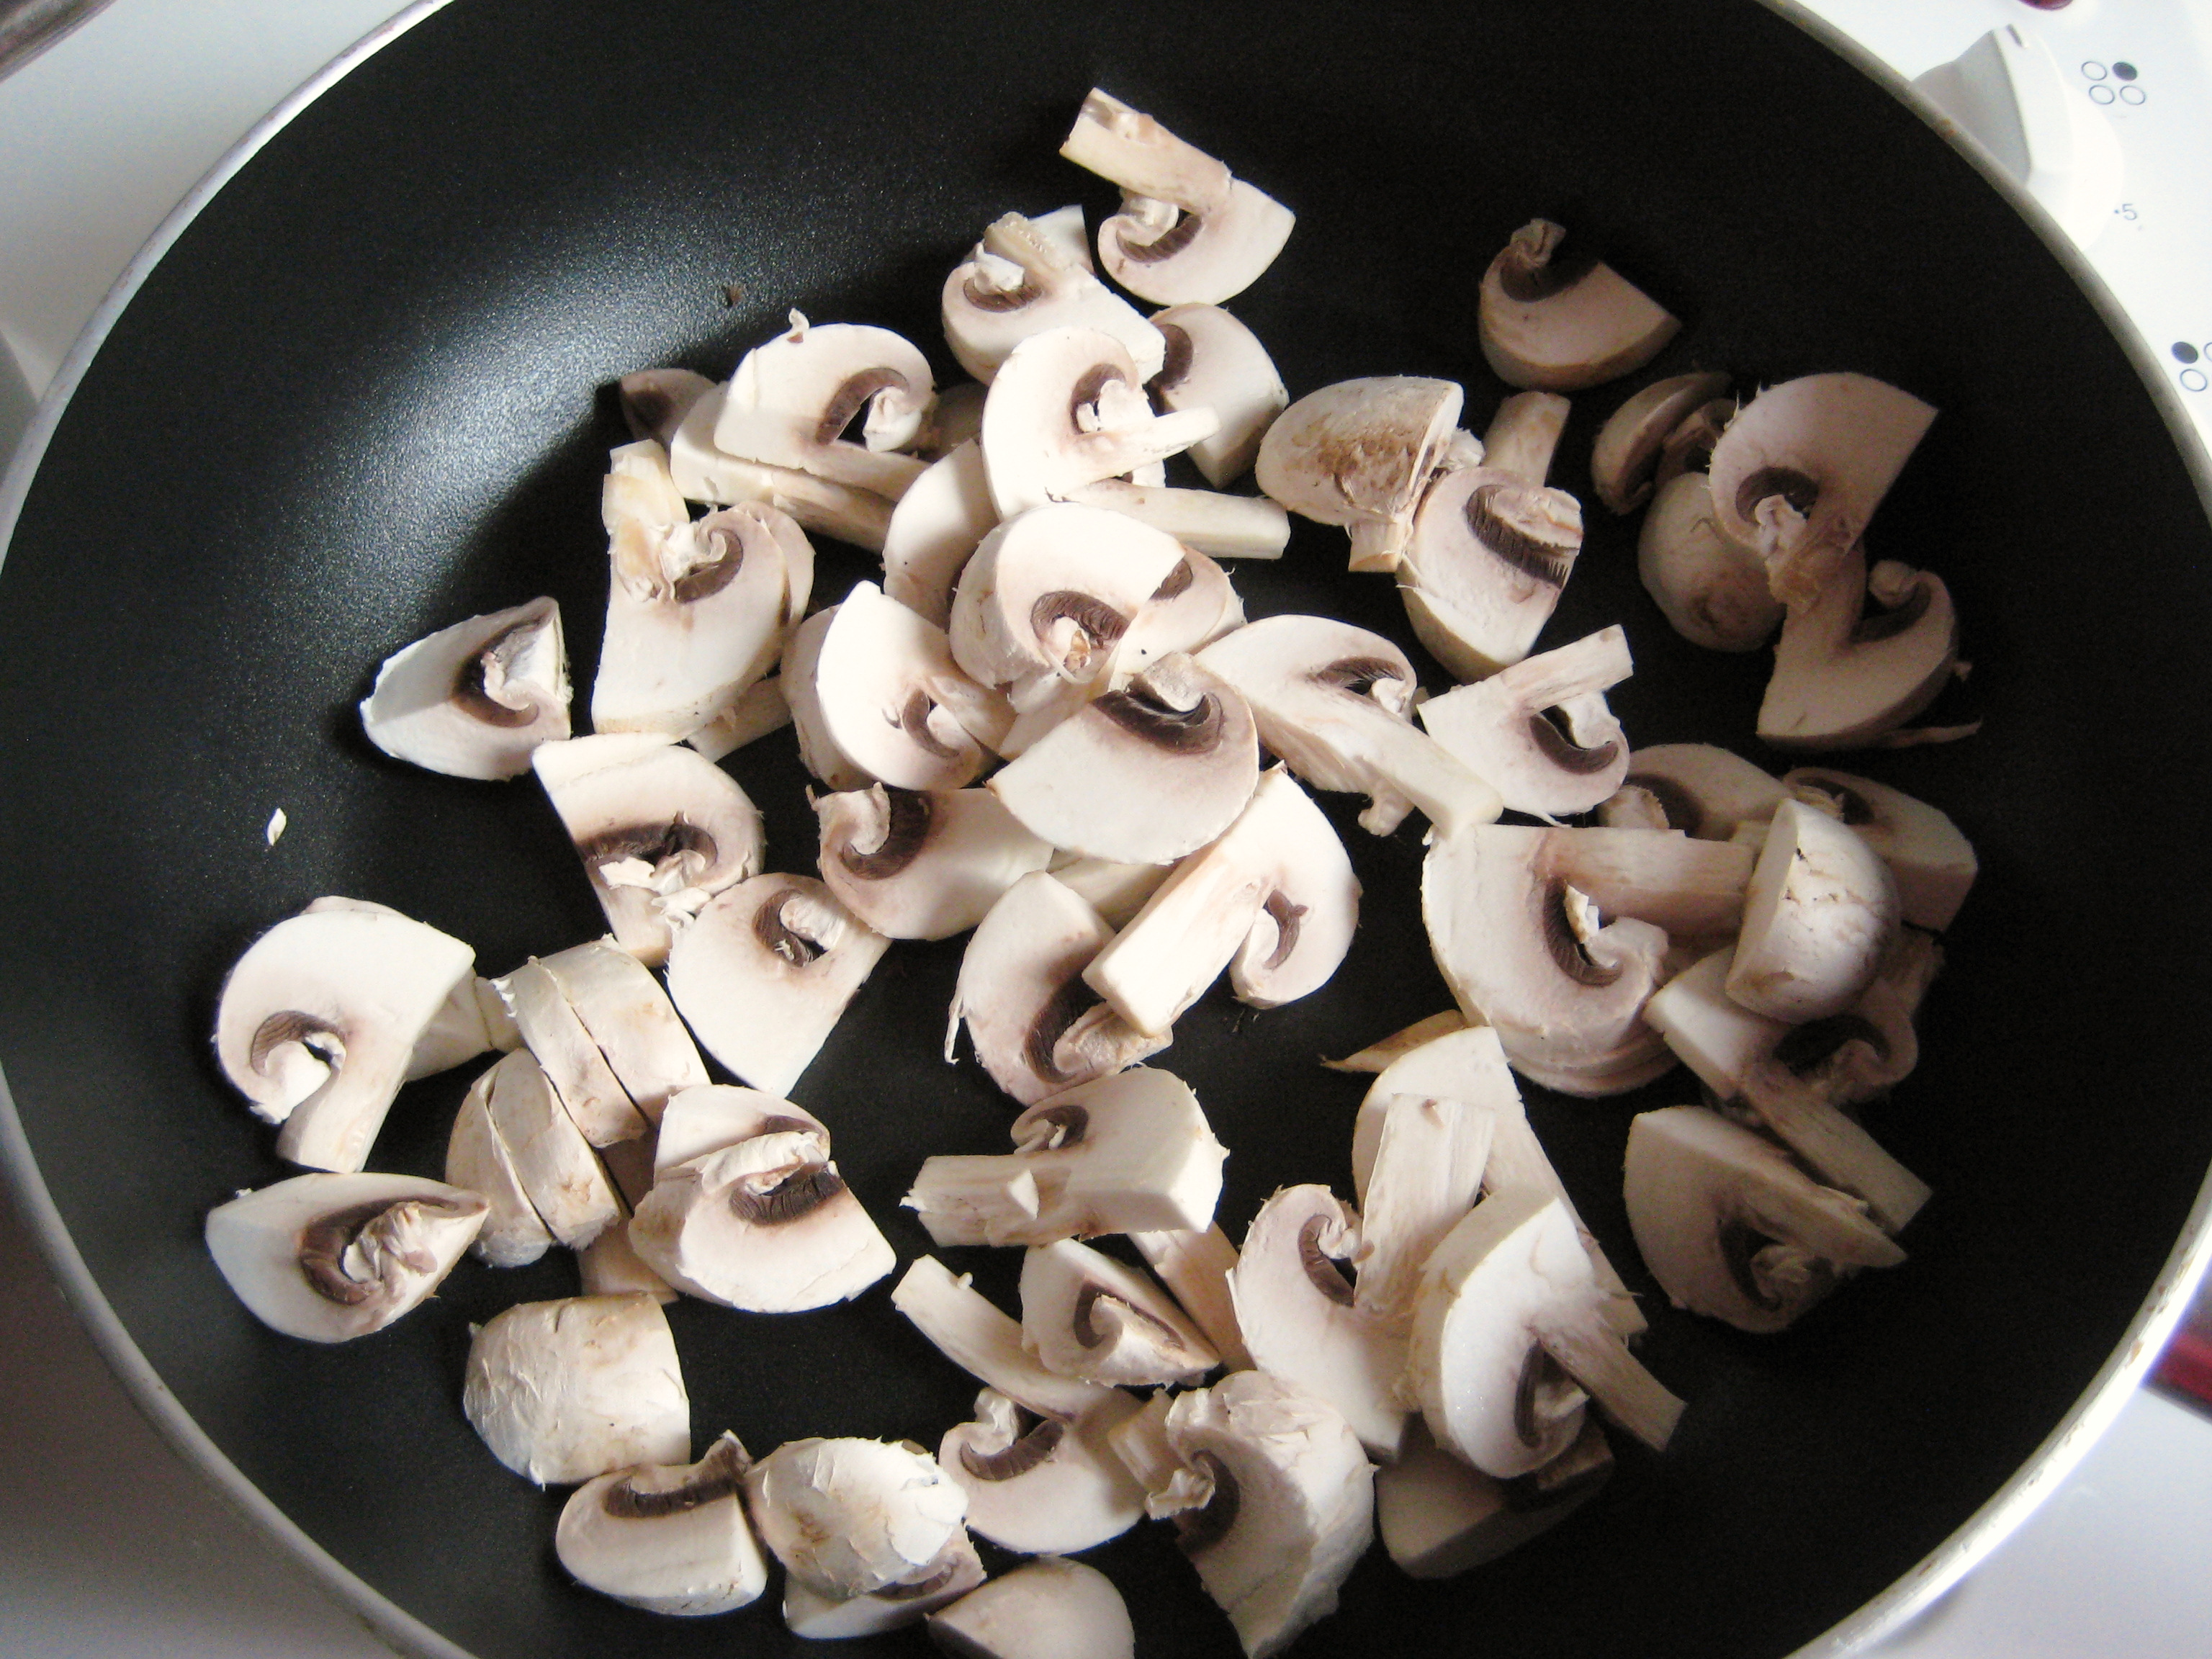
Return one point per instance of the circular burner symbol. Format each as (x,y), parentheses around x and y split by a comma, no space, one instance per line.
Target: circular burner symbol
(2131,95)
(2094,69)
(2100,95)
(2193,380)
(2125,71)
(2183,351)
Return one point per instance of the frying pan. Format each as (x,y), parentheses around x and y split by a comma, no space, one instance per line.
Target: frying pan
(364,392)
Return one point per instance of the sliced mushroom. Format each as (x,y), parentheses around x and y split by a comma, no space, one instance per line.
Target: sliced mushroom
(1117,891)
(1213,361)
(1380,1056)
(471,1021)
(1830,1142)
(1086,1316)
(1044,1609)
(317,1021)
(626,1013)
(764,974)
(1488,557)
(1711,587)
(1209,522)
(1629,443)
(473,700)
(1439,1516)
(759,709)
(1041,1485)
(988,1345)
(936,526)
(327,1258)
(1022,279)
(1194,606)
(1932,863)
(824,507)
(559,1174)
(1359,454)
(668,1538)
(1430,1152)
(660,830)
(1695,788)
(654,401)
(1195,1264)
(848,1517)
(915,865)
(1540,730)
(1820,911)
(1565,324)
(478,1161)
(1845,676)
(955,1572)
(706,1119)
(792,399)
(575,1065)
(562,1391)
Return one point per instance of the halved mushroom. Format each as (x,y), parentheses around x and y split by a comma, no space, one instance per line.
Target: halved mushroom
(1701,790)
(1845,675)
(1127,1153)
(1041,1485)
(316,1023)
(792,399)
(849,1518)
(1195,1264)
(474,699)
(1510,1331)
(562,1391)
(825,507)
(626,1013)
(668,1538)
(1439,1516)
(559,1174)
(767,1225)
(1540,730)
(1335,702)
(934,529)
(1022,279)
(1086,1316)
(915,865)
(330,1257)
(575,1064)
(1565,324)
(1629,443)
(1933,865)
(478,1161)
(1301,1319)
(764,972)
(1820,910)
(1359,454)
(1289,1508)
(1049,1609)
(660,830)
(1189,233)
(1194,606)
(1214,362)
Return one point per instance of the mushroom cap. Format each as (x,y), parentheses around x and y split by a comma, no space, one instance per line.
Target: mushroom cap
(328,1257)
(1022,279)
(478,1161)
(1700,789)
(1214,362)
(848,1516)
(1490,553)
(916,865)
(791,400)
(623,1009)
(1086,1316)
(560,1175)
(474,699)
(1820,910)
(1563,324)
(1711,587)
(1629,442)
(1931,861)
(668,1538)
(1540,730)
(1046,1486)
(891,700)
(1049,1609)
(764,972)
(1359,453)
(934,528)
(562,1391)
(1173,255)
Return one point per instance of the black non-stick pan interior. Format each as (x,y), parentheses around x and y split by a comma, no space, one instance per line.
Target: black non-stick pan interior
(367,394)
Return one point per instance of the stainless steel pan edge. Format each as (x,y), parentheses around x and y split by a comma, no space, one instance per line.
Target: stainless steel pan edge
(2058,1455)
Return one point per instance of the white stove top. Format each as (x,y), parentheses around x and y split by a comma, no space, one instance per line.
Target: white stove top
(101,136)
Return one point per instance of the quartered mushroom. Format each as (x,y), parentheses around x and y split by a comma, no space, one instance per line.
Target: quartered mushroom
(1711,586)
(1540,730)
(1440,1516)
(1846,675)
(922,865)
(1565,324)
(935,527)
(1731,1227)
(559,1173)
(478,1160)
(1820,911)
(1629,443)
(1049,1609)
(1430,1156)
(823,507)
(1698,788)
(668,1538)
(1359,454)
(1932,862)
(660,827)
(328,1257)
(1022,279)
(764,972)
(573,1061)
(474,699)
(563,1391)
(317,1022)
(1086,1316)
(1189,233)
(1213,361)
(791,401)
(849,1518)
(1041,1485)
(630,1020)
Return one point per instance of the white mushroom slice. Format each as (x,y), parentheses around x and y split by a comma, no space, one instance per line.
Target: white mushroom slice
(1711,587)
(1933,865)
(660,830)
(1540,730)
(706,1119)
(562,1391)
(1290,1509)
(626,1013)
(1117,891)
(654,401)
(1509,1333)
(573,1061)
(1523,435)
(936,526)
(1359,454)
(1830,1143)
(760,709)
(1563,324)
(1695,788)
(1044,1609)
(1820,910)
(1690,888)
(956,418)
(330,1257)
(1629,442)
(610,1265)
(1829,445)
(317,1021)
(1068,408)
(988,1345)
(560,1175)
(1845,676)
(1276,895)
(1209,522)
(1431,1153)
(473,700)
(955,1572)
(1488,557)
(792,399)
(1302,1323)
(1194,606)
(1732,1228)
(1140,1441)
(705,473)
(1439,1516)
(847,1517)
(1213,361)
(1021,280)
(477,1160)
(1335,703)
(1195,1265)
(1716,1037)
(914,864)
(1381,1055)
(765,971)
(767,1225)
(1127,1153)
(668,1538)
(1046,1485)
(1086,1316)
(1142,774)
(471,1021)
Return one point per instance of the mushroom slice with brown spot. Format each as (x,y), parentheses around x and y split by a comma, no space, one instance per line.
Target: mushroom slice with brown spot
(1540,730)
(1698,789)
(1510,1338)
(1732,1228)
(562,1391)
(767,1225)
(1040,1485)
(1359,453)
(474,699)
(915,865)
(559,1172)
(1335,703)
(1213,361)
(936,526)
(1290,1508)
(328,1257)
(573,1061)
(317,1021)
(671,1538)
(1932,863)
(1440,1516)
(1820,911)
(1020,280)
(1845,676)
(1629,443)
(792,399)
(1085,1315)
(630,1017)
(1565,324)
(1049,1609)
(478,1160)
(849,1518)
(660,830)
(975,1336)
(1141,775)
(824,507)
(764,974)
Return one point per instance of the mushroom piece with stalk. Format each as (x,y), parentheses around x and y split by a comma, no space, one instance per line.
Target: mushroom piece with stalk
(329,1257)
(1540,730)
(1213,361)
(1820,910)
(1194,606)
(1932,862)
(1041,1485)
(705,1120)
(562,1391)
(474,699)
(923,864)
(1630,442)
(668,1538)
(1049,1609)
(965,1326)
(1698,789)
(1565,324)
(1085,1315)
(791,400)
(1359,454)
(935,527)
(1020,280)
(822,505)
